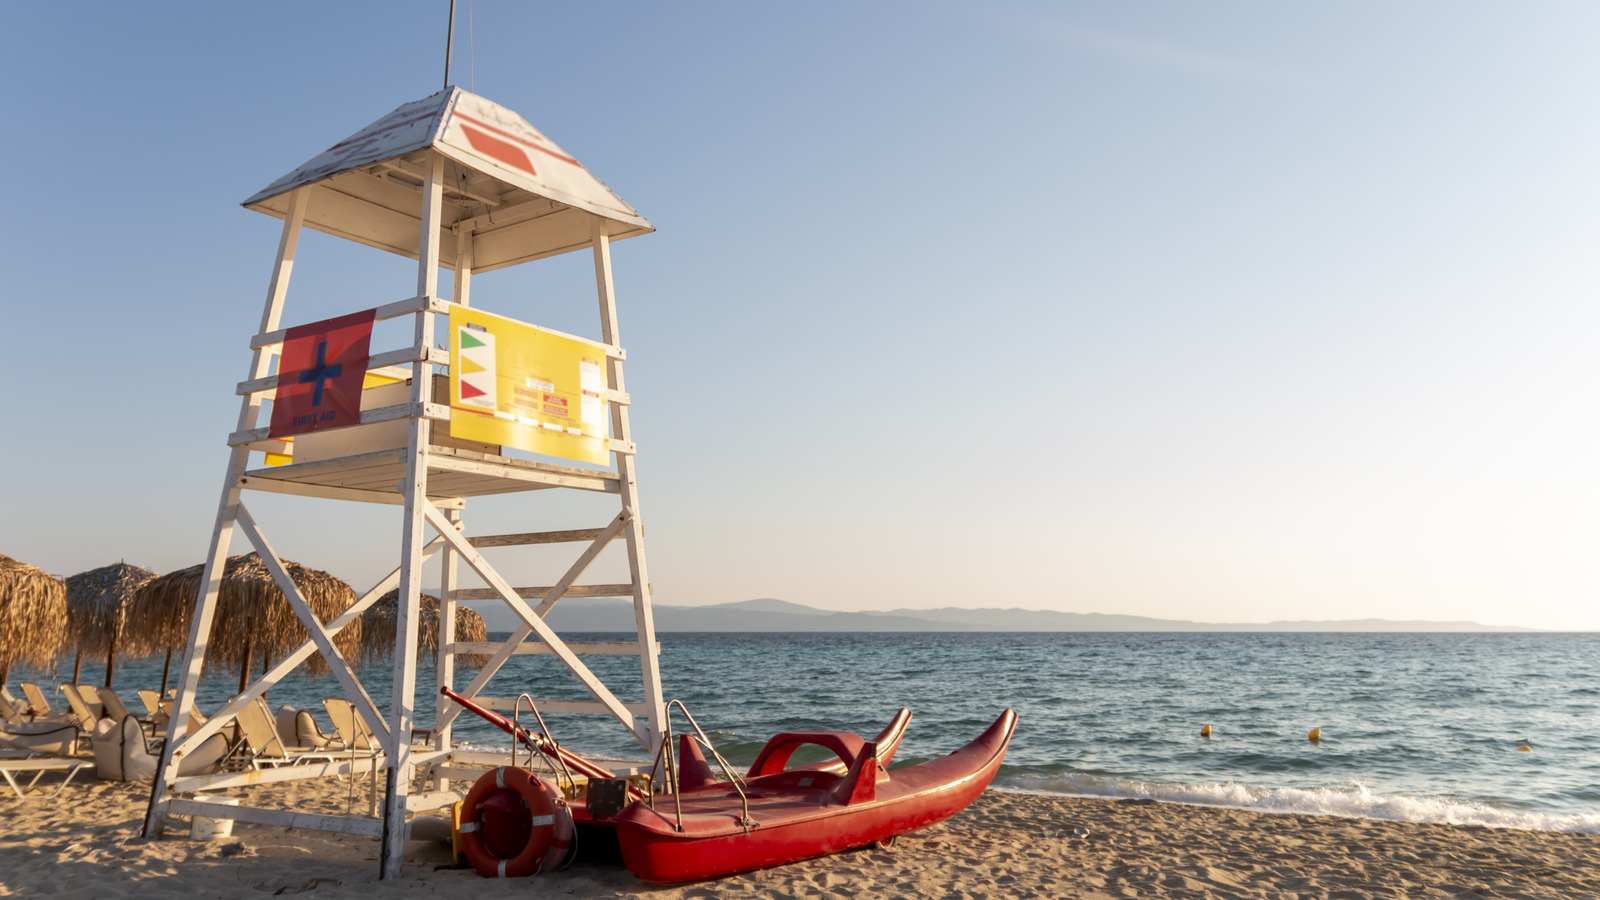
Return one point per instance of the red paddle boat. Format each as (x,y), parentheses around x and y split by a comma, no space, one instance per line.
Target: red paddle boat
(709,828)
(775,813)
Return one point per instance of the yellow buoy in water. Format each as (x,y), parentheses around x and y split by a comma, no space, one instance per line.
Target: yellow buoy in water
(1524,749)
(1315,735)
(1205,731)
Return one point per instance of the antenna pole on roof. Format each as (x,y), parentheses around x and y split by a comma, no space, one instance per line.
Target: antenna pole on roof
(449,43)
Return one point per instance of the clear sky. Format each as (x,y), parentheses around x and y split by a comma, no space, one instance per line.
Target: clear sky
(1227,312)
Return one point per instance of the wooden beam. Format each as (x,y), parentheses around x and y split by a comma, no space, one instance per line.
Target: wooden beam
(194,654)
(284,817)
(328,492)
(536,537)
(417,510)
(518,470)
(638,572)
(445,663)
(433,800)
(576,590)
(424,410)
(465,773)
(537,648)
(412,170)
(360,765)
(375,363)
(511,214)
(565,707)
(395,310)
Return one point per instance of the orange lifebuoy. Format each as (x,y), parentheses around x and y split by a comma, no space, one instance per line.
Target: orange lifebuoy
(549,841)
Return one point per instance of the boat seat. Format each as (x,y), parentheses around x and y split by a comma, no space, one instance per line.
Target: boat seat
(775,755)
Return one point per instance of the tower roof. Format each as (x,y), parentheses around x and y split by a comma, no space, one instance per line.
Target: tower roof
(522,196)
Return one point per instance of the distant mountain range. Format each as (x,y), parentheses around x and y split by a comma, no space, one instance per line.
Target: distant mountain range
(779,615)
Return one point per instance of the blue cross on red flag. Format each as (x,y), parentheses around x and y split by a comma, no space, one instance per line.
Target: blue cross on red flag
(320,374)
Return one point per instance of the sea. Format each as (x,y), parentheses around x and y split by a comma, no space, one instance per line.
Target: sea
(1413,727)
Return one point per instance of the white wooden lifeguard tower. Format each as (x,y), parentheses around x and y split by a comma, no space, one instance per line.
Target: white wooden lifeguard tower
(457,181)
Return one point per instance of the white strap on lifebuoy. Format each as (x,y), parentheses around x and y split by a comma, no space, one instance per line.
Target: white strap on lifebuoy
(543,820)
(468,826)
(500,777)
(503,867)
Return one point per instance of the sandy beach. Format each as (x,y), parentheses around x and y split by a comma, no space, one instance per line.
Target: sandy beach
(85,844)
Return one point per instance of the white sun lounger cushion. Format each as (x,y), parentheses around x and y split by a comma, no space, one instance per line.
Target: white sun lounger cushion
(55,738)
(121,754)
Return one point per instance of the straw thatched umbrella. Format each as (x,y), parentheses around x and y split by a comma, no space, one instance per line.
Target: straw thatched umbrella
(97,601)
(252,615)
(377,629)
(33,616)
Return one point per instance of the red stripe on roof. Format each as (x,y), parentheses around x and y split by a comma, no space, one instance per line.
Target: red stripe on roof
(516,137)
(494,148)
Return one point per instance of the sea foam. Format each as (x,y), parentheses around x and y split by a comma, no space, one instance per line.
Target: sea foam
(1356,801)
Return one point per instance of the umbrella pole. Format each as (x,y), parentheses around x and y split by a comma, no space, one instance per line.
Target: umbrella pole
(244,670)
(111,662)
(166,671)
(77,666)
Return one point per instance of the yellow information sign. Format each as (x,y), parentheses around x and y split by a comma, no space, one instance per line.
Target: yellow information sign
(521,386)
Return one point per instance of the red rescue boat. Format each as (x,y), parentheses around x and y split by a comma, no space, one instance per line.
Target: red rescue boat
(711,828)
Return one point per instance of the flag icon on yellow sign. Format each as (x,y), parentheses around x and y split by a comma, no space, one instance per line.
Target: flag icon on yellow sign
(477,366)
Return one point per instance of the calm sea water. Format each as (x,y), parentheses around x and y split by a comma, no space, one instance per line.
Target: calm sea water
(1419,727)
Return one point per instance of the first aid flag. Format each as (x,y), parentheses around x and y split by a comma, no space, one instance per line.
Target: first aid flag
(320,374)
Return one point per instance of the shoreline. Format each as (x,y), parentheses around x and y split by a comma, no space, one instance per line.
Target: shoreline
(1587,823)
(1009,843)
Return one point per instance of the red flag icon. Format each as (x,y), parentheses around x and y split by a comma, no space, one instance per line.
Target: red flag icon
(320,374)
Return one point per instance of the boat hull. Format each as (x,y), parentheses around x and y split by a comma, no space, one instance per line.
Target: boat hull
(799,814)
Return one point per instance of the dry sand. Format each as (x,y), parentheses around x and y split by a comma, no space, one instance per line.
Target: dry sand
(84,844)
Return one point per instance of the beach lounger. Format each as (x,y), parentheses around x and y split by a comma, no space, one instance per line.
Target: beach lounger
(38,706)
(39,766)
(267,747)
(78,712)
(10,712)
(112,707)
(40,736)
(352,729)
(163,715)
(91,699)
(81,713)
(151,701)
(35,708)
(121,753)
(300,727)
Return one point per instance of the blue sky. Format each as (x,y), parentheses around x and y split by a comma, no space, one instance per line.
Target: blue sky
(1222,312)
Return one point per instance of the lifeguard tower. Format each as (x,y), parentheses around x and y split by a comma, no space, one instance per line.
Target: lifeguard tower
(459,182)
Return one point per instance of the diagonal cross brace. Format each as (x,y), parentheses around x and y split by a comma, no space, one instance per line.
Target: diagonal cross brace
(508,648)
(335,660)
(288,663)
(531,619)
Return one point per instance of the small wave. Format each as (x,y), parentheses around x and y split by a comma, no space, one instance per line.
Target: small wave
(1356,802)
